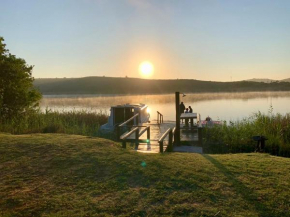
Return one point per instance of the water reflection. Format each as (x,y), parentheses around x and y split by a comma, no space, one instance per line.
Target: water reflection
(222,106)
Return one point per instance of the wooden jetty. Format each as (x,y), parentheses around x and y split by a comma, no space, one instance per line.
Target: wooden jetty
(159,136)
(157,130)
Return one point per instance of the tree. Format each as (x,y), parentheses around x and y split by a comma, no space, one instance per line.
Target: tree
(17,94)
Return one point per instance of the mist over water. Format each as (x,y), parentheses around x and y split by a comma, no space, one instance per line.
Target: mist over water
(219,106)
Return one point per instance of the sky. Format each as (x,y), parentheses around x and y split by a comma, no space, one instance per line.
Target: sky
(216,40)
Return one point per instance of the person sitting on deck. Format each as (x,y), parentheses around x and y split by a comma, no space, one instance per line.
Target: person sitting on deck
(190,109)
(186,110)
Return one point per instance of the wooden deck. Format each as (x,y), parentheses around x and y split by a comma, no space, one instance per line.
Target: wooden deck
(157,130)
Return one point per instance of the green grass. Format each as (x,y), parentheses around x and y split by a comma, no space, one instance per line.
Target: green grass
(70,175)
(236,137)
(69,122)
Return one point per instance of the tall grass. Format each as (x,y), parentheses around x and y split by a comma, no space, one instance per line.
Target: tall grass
(237,136)
(69,122)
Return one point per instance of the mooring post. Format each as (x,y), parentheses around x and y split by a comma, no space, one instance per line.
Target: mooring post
(177,132)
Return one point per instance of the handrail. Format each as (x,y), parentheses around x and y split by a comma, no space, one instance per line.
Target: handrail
(164,135)
(159,117)
(160,141)
(129,133)
(171,139)
(137,135)
(173,130)
(130,119)
(144,130)
(124,123)
(136,130)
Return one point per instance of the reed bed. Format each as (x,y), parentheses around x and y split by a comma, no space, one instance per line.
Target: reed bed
(233,137)
(236,137)
(69,122)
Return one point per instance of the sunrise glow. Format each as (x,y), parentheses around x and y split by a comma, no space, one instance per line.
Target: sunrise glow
(146,69)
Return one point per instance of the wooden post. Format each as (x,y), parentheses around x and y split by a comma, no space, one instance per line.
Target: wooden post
(161,146)
(137,138)
(170,148)
(148,134)
(124,144)
(157,118)
(177,132)
(199,131)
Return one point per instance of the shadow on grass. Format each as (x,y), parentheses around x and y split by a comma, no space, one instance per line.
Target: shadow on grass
(241,189)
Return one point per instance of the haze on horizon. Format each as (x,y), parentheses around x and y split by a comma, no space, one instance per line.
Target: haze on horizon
(206,40)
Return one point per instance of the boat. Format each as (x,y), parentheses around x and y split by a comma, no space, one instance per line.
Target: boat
(121,113)
(209,122)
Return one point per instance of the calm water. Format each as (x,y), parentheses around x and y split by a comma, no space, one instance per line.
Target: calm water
(219,106)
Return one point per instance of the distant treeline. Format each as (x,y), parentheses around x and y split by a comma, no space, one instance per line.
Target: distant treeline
(112,85)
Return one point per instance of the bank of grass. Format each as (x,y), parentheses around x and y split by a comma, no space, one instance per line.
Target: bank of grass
(236,137)
(82,122)
(70,175)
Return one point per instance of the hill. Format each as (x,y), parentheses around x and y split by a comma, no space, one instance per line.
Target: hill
(264,80)
(68,175)
(111,85)
(286,80)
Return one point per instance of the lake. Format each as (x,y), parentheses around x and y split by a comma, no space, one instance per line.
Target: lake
(219,106)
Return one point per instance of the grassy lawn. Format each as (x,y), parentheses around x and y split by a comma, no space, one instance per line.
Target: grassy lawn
(68,175)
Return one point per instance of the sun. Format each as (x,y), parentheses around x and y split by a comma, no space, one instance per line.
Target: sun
(146,68)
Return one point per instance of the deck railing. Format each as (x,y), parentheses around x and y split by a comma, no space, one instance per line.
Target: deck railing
(171,140)
(118,129)
(161,140)
(138,133)
(159,117)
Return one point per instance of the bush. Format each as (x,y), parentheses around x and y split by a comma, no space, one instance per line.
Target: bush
(237,136)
